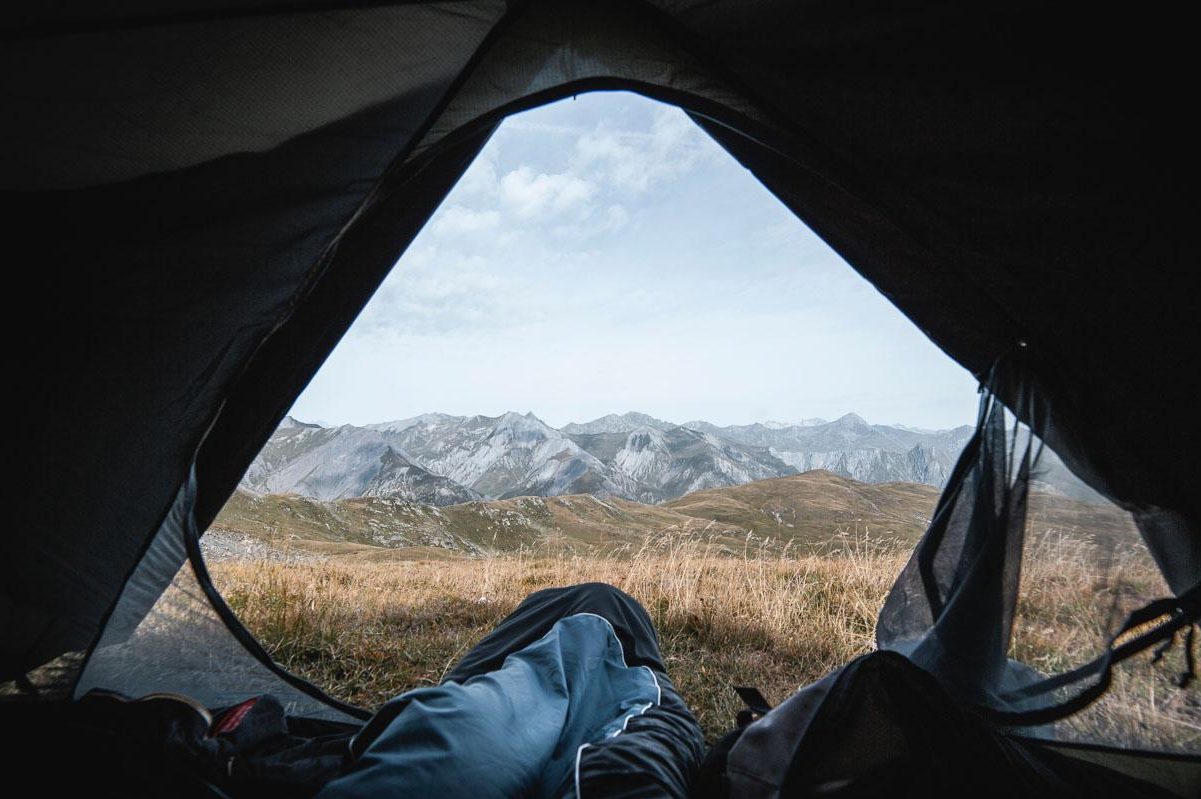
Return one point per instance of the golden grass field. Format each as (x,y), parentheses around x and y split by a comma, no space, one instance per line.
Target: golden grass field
(770,617)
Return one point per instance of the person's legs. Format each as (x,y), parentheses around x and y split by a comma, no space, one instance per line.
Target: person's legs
(657,755)
(507,688)
(659,750)
(538,612)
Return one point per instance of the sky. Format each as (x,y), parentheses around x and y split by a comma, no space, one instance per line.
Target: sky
(602,255)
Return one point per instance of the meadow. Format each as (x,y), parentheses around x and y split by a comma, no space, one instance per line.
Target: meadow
(773,617)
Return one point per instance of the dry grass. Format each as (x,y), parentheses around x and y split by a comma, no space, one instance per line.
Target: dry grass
(773,618)
(1075,596)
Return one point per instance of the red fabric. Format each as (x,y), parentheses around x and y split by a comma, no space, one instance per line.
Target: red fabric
(230,719)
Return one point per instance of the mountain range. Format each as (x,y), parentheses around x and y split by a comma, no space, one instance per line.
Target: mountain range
(439,459)
(442,460)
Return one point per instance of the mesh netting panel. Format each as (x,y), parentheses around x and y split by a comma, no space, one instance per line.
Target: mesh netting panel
(180,644)
(1026,574)
(1084,569)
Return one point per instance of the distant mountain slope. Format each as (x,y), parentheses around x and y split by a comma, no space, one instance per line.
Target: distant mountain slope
(397,478)
(571,522)
(340,462)
(614,423)
(808,509)
(815,505)
(505,456)
(675,461)
(851,447)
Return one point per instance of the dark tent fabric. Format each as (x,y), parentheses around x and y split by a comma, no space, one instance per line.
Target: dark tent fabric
(201,195)
(882,727)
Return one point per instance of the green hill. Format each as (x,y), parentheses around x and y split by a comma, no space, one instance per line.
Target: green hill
(808,509)
(811,507)
(349,526)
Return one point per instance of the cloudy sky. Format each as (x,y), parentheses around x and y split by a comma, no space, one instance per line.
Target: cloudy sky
(603,255)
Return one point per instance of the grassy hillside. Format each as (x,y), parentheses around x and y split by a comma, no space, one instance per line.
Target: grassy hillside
(806,509)
(574,522)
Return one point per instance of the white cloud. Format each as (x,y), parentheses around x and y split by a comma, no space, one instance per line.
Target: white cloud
(479,182)
(589,223)
(530,195)
(457,220)
(616,217)
(437,289)
(635,161)
(525,124)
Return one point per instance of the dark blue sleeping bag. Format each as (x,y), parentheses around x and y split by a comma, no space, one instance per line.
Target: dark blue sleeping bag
(583,709)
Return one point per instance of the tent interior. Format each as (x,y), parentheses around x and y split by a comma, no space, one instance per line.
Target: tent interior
(206,195)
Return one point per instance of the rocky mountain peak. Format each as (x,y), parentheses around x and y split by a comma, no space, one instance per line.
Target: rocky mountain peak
(292,423)
(850,421)
(616,423)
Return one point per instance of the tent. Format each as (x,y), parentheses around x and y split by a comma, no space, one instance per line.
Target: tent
(201,195)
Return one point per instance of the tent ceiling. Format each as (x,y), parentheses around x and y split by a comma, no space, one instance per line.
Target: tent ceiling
(207,195)
(120,104)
